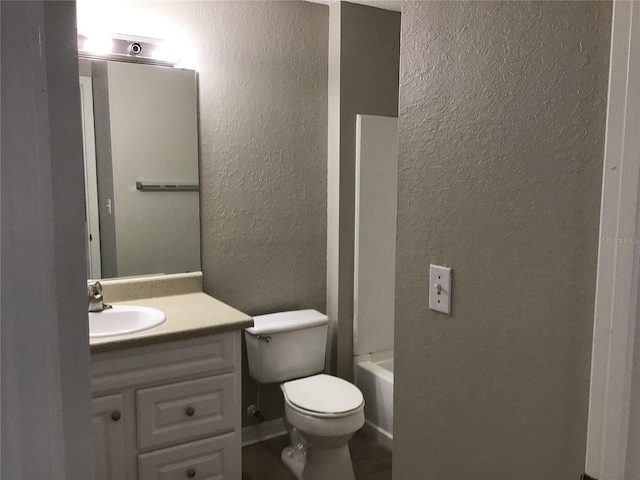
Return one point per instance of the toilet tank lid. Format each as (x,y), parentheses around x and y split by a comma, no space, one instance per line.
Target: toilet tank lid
(287,321)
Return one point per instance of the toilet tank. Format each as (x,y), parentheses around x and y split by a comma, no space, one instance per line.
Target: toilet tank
(287,345)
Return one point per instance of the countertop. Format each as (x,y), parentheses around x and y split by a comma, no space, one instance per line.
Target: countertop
(188,315)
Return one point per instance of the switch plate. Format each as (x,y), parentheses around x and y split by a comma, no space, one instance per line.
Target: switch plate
(440,289)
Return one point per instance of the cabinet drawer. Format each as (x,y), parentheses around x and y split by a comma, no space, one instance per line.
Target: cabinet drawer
(133,367)
(183,411)
(213,458)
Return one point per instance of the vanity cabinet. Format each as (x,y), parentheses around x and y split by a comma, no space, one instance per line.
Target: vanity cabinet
(168,411)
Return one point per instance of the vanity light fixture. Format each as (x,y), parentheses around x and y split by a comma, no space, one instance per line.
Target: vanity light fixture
(127,48)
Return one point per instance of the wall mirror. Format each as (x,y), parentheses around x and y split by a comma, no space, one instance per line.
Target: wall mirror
(140,130)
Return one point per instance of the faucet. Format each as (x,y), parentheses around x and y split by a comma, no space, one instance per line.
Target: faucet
(96,302)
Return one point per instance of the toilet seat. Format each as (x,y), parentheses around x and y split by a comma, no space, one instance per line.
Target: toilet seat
(323,395)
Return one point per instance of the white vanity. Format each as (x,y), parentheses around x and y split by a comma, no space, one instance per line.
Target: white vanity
(166,401)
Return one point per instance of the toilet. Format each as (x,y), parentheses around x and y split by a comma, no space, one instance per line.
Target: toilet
(322,412)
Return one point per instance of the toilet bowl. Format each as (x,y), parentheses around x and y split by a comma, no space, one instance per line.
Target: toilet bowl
(322,412)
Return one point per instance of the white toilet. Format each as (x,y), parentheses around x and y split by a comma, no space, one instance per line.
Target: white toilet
(322,412)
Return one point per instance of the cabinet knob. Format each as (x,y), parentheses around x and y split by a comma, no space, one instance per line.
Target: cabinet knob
(115,416)
(190,411)
(191,472)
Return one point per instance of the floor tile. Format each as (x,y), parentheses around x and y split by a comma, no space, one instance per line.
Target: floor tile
(371,460)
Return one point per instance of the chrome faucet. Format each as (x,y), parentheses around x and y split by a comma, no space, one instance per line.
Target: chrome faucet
(96,302)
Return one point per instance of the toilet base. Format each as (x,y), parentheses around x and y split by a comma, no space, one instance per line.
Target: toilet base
(320,445)
(318,463)
(294,458)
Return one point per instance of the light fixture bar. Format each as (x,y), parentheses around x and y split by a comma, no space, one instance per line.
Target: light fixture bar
(126,48)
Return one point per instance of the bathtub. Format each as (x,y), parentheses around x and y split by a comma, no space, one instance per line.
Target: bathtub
(374,377)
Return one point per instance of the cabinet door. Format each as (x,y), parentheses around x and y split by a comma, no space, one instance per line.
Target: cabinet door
(108,437)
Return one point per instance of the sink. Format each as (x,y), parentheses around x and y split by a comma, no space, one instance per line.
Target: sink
(124,319)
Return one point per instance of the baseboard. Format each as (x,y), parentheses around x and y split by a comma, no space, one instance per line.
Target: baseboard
(263,431)
(382,436)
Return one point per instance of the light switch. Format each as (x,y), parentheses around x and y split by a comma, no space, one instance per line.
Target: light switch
(440,289)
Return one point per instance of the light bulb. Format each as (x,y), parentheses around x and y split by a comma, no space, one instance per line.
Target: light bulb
(166,52)
(98,44)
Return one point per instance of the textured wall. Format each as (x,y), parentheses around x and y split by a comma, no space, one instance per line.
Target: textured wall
(263,116)
(502,114)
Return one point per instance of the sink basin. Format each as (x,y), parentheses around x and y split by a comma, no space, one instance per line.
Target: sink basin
(124,319)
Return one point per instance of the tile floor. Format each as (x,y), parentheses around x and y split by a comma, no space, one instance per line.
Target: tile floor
(371,461)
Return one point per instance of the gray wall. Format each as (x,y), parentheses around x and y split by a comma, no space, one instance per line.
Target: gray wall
(369,55)
(46,393)
(263,127)
(263,117)
(502,115)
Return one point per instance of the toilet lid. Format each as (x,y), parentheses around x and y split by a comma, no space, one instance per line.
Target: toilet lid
(323,394)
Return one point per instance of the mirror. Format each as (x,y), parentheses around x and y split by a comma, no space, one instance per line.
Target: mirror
(141,168)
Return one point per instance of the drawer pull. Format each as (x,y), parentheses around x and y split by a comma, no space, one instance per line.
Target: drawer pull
(115,416)
(191,472)
(190,411)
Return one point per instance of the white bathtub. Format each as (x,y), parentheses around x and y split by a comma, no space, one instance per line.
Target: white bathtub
(374,377)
